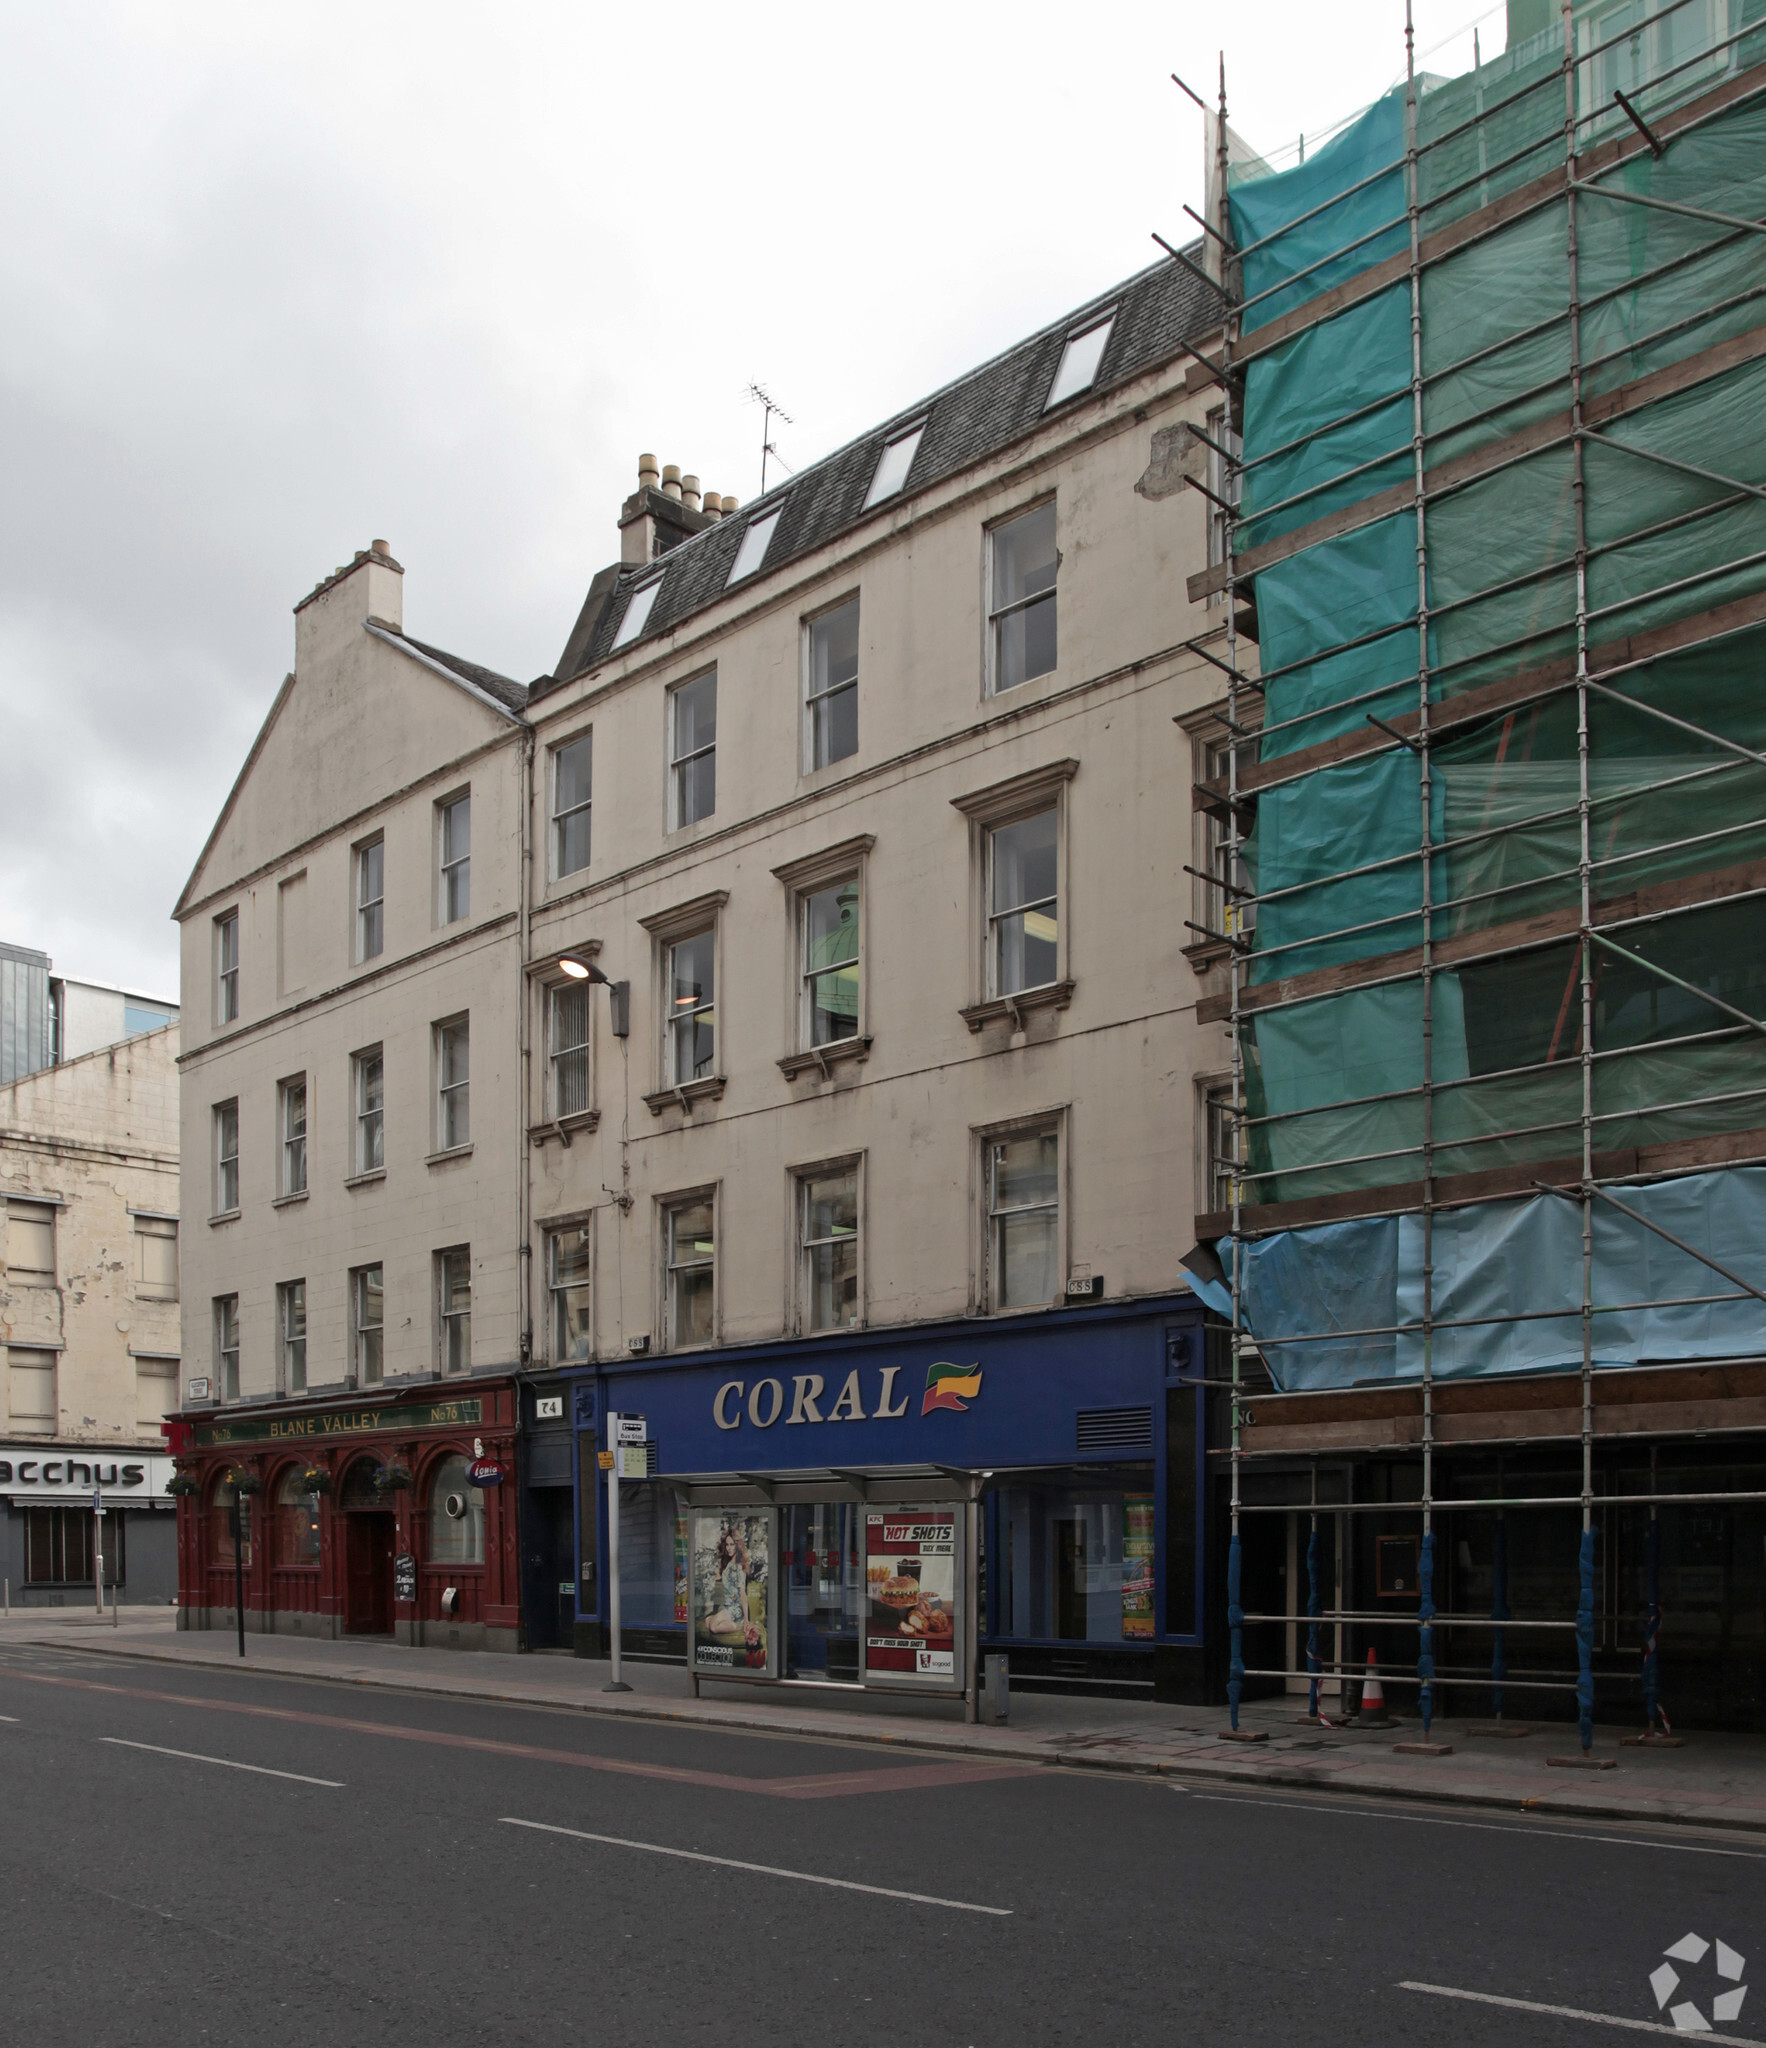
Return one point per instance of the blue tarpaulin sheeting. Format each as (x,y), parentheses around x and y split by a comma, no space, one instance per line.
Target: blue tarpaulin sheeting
(1367,1275)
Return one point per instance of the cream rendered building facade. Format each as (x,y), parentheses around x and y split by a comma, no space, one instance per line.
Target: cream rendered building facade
(824,971)
(944,1061)
(336,959)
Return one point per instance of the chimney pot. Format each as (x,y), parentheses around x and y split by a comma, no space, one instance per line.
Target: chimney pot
(649,476)
(671,480)
(730,504)
(380,547)
(690,493)
(714,505)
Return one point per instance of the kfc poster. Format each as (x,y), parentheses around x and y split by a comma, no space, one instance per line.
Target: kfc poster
(912,1563)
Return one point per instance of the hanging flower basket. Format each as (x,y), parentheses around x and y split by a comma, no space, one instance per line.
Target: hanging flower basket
(183,1483)
(245,1484)
(315,1479)
(393,1479)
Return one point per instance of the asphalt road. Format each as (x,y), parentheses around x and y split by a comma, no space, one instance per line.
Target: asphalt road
(369,1880)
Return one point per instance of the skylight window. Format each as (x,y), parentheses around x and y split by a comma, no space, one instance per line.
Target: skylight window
(1079,361)
(637,613)
(752,552)
(893,465)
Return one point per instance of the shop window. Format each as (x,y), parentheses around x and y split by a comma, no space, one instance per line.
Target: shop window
(1076,1562)
(220,1526)
(1023,1179)
(567,1279)
(456,1516)
(689,1234)
(58,1547)
(297,1520)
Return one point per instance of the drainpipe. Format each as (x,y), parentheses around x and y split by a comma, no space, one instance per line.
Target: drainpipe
(524,1251)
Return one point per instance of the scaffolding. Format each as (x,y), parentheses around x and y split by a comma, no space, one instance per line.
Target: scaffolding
(1493,872)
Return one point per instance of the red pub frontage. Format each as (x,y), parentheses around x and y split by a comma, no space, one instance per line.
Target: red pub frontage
(390,1514)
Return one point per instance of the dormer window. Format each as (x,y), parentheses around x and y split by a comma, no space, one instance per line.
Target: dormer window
(894,463)
(637,612)
(1080,360)
(755,543)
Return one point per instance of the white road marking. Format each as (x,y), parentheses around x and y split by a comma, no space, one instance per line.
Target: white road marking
(191,1757)
(1573,2012)
(842,1884)
(11,1718)
(1487,1827)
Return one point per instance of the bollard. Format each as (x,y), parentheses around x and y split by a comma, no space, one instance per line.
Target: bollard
(997,1688)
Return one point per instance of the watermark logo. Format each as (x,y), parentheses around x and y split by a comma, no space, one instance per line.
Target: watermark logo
(1665,1981)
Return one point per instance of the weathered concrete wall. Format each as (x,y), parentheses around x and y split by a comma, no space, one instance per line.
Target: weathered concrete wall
(98,1137)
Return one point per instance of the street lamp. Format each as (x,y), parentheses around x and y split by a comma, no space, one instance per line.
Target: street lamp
(619,993)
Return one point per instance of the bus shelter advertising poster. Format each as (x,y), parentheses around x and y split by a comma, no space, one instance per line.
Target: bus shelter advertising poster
(1137,1567)
(911,1594)
(732,1553)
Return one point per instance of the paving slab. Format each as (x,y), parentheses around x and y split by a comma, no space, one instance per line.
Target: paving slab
(1716,1781)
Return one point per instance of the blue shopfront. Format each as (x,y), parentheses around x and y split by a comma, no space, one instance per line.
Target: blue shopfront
(1050,1468)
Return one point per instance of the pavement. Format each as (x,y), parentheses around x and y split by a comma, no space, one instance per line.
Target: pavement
(1714,1781)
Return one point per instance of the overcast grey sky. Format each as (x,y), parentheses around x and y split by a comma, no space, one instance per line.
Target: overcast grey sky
(278,281)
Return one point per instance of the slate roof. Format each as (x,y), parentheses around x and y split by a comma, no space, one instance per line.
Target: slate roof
(511,695)
(967,421)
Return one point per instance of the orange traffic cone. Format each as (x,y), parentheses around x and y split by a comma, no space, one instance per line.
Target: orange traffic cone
(1373,1694)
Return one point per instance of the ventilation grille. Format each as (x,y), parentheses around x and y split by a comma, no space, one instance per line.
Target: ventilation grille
(1115,1429)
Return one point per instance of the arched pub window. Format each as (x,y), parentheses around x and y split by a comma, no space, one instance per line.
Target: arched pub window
(297,1520)
(456,1516)
(220,1525)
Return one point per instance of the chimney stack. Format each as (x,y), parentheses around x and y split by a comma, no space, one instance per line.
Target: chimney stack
(663,511)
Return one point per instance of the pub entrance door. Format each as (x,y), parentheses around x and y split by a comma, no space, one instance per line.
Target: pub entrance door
(368,1570)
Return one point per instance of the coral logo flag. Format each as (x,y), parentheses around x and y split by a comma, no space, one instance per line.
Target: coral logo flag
(946,1385)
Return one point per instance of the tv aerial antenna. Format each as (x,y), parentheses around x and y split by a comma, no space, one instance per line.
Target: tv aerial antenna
(774,410)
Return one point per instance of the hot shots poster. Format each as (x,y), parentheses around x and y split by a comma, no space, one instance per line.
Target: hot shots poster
(732,1583)
(1137,1567)
(911,1594)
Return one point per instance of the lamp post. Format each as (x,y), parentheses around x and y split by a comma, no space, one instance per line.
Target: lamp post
(616,1683)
